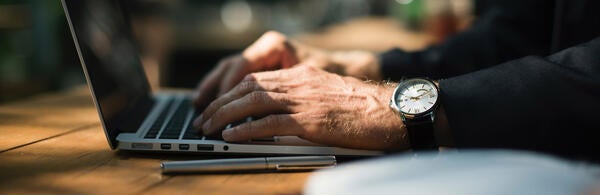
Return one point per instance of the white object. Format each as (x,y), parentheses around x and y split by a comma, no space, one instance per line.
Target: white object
(458,172)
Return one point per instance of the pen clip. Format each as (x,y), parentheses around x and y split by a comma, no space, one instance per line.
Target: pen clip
(302,167)
(300,163)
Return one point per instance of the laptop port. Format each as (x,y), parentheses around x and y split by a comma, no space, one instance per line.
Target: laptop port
(165,146)
(206,147)
(145,146)
(184,146)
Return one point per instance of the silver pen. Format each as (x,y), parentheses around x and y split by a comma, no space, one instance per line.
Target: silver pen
(291,163)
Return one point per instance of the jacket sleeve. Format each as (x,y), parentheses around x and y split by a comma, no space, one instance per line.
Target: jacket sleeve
(508,30)
(547,104)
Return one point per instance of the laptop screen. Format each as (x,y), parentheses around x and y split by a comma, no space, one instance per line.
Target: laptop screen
(111,63)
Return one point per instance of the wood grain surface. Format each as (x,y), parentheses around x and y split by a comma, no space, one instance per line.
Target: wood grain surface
(55,144)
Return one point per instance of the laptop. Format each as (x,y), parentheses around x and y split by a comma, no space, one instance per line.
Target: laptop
(136,119)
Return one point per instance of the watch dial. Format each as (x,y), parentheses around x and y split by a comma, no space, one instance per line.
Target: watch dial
(416,96)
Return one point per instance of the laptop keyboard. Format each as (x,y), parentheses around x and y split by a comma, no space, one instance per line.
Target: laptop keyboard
(190,131)
(173,128)
(158,123)
(177,121)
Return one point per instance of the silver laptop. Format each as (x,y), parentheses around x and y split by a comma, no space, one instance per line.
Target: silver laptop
(135,119)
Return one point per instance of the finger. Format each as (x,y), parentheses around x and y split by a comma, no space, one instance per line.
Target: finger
(249,84)
(276,75)
(284,75)
(266,49)
(257,103)
(207,88)
(289,58)
(233,76)
(272,125)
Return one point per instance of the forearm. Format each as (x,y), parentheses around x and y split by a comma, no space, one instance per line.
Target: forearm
(543,104)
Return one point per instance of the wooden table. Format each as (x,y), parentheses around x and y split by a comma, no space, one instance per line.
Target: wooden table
(54,143)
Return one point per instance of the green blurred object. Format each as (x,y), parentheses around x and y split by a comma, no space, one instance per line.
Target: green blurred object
(410,12)
(31,47)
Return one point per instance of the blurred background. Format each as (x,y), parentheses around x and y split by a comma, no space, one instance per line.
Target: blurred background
(180,40)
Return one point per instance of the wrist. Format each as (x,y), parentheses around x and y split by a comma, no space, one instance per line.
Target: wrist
(396,125)
(429,128)
(378,115)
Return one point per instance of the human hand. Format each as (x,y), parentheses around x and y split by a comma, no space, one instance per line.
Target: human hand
(312,104)
(271,51)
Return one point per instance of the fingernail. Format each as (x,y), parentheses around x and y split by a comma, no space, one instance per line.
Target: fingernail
(206,125)
(227,134)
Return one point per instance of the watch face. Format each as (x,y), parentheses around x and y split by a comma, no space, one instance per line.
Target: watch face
(416,96)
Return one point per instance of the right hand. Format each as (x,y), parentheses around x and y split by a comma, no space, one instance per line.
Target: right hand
(310,103)
(271,51)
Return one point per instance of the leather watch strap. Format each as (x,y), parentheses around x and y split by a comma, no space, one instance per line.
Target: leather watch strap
(421,134)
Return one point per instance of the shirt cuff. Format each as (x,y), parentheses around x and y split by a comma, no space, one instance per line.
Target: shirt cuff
(397,64)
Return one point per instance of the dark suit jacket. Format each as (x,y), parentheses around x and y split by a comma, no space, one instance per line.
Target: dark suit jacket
(548,104)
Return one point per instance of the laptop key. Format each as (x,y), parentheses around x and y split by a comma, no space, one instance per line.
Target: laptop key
(191,133)
(158,123)
(175,125)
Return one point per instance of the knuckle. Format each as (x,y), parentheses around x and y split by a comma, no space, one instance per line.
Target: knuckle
(275,35)
(284,100)
(311,68)
(257,97)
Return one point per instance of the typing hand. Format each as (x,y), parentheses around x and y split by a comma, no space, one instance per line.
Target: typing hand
(271,51)
(310,103)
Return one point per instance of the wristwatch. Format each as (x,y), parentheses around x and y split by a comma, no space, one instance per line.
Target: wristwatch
(416,101)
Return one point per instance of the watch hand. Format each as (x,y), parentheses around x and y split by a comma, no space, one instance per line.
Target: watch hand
(419,96)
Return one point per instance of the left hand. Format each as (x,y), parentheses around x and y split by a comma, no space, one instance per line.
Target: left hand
(312,104)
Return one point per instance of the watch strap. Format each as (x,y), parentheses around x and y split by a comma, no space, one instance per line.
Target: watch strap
(421,133)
